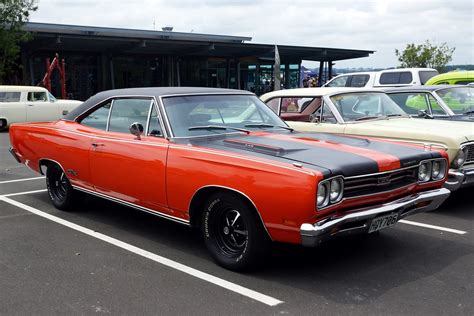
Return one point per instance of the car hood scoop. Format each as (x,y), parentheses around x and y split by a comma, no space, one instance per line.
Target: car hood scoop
(259,147)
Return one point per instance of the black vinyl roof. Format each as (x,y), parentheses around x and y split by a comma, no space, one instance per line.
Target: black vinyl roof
(116,41)
(146,92)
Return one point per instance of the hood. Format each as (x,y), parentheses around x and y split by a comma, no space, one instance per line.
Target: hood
(417,129)
(326,153)
(461,118)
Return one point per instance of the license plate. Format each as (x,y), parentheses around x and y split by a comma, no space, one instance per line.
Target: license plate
(382,222)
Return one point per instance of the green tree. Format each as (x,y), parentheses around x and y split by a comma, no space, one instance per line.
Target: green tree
(13,15)
(425,55)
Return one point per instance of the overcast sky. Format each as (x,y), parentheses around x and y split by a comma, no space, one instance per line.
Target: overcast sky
(379,25)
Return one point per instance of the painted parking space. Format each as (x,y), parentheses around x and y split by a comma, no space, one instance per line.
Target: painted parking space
(358,275)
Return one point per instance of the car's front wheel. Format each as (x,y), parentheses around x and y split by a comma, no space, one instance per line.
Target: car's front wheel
(233,233)
(60,191)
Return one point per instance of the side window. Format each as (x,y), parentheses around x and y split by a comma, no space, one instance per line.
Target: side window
(10,96)
(463,82)
(338,82)
(327,116)
(154,126)
(274,104)
(294,104)
(289,105)
(37,97)
(125,112)
(359,81)
(396,77)
(98,119)
(436,109)
(416,102)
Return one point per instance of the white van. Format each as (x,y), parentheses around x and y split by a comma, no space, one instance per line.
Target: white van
(29,103)
(385,78)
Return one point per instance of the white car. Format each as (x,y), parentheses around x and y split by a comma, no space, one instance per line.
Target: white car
(29,103)
(385,78)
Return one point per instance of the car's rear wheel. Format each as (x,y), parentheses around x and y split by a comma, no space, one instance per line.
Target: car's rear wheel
(233,233)
(60,191)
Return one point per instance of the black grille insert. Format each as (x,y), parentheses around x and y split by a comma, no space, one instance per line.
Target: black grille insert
(378,183)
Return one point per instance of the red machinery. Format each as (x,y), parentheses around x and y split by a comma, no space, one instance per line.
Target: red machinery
(50,66)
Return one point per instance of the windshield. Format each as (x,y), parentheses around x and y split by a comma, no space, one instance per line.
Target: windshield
(368,105)
(217,114)
(459,99)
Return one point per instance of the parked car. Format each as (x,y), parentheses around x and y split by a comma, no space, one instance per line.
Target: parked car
(455,103)
(223,161)
(453,77)
(385,78)
(372,113)
(353,80)
(27,104)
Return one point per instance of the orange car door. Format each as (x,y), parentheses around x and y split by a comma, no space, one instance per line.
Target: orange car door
(125,167)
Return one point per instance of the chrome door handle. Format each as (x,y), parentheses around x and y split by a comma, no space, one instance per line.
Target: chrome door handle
(30,104)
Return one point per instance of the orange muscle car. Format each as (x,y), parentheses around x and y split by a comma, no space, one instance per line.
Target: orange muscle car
(223,161)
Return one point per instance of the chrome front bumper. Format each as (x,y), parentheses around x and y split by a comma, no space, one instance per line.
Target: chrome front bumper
(459,178)
(359,221)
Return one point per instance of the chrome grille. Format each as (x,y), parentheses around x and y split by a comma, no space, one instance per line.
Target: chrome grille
(378,183)
(470,153)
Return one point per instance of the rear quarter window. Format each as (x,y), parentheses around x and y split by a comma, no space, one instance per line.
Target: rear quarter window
(10,96)
(402,77)
(359,81)
(427,75)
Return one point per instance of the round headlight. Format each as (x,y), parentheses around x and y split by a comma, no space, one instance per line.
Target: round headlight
(438,170)
(323,194)
(336,189)
(424,172)
(460,158)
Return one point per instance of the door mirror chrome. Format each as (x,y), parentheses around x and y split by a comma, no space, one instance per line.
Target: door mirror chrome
(136,129)
(424,114)
(314,118)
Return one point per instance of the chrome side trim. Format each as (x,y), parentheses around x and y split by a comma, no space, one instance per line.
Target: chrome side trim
(237,191)
(135,206)
(107,125)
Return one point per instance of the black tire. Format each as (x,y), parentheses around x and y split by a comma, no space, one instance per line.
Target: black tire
(61,193)
(233,233)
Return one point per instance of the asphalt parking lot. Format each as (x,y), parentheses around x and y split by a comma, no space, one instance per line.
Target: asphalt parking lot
(105,258)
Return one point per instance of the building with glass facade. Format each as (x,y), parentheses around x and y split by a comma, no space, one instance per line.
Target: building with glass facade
(101,58)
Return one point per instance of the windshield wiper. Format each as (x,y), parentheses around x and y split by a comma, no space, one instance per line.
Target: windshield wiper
(269,125)
(394,114)
(363,118)
(219,127)
(469,112)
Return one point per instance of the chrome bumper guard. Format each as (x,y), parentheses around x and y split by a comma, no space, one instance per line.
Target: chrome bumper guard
(459,178)
(359,221)
(14,154)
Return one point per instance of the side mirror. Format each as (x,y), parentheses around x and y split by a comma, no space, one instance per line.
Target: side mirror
(424,114)
(136,129)
(314,118)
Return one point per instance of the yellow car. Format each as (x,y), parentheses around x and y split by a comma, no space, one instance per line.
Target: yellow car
(453,77)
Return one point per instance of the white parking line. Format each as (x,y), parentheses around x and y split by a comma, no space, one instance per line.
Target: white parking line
(20,180)
(265,299)
(445,229)
(23,193)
